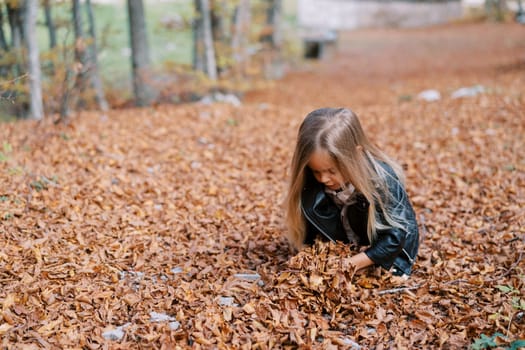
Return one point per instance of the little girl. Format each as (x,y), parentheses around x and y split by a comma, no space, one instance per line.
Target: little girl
(343,188)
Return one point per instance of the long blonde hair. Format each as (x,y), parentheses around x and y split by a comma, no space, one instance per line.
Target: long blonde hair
(339,132)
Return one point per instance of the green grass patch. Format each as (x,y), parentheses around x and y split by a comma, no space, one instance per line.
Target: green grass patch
(169,36)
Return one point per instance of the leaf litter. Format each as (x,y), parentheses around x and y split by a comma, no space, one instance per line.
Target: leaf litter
(163,227)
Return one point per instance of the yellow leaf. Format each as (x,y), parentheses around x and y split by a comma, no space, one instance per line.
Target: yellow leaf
(47,328)
(227,314)
(365,283)
(248,308)
(315,280)
(131,299)
(4,328)
(8,301)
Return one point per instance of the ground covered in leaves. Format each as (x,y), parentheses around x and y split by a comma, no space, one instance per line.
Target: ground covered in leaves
(163,227)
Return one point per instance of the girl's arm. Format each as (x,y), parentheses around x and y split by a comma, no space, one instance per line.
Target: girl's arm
(390,242)
(360,261)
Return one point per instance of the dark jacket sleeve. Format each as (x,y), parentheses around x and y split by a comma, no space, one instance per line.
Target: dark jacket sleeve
(387,247)
(390,242)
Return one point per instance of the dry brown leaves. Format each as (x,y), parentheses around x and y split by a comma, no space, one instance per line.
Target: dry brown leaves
(162,228)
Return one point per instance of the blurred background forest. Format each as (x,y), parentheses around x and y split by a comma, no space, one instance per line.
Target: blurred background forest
(161,227)
(83,54)
(60,56)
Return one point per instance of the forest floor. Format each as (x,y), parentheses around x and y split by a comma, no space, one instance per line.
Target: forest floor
(163,227)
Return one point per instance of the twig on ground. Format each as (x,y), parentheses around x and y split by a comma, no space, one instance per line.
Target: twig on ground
(457,281)
(512,240)
(398,290)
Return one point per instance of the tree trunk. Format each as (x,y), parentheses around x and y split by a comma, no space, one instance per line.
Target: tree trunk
(273,39)
(74,79)
(495,9)
(80,51)
(221,32)
(15,14)
(67,88)
(15,25)
(209,50)
(3,41)
(50,24)
(96,81)
(198,36)
(36,104)
(51,30)
(240,34)
(4,47)
(273,20)
(140,61)
(218,23)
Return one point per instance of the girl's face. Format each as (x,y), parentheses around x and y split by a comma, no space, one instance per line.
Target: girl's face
(325,170)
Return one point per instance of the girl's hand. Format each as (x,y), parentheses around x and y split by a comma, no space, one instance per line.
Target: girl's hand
(360,261)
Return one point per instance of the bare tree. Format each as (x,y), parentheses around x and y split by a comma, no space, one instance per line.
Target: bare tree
(96,81)
(272,37)
(495,9)
(74,77)
(199,57)
(36,104)
(140,60)
(209,49)
(3,41)
(52,33)
(86,70)
(15,25)
(80,50)
(240,34)
(50,24)
(273,20)
(4,46)
(14,14)
(219,23)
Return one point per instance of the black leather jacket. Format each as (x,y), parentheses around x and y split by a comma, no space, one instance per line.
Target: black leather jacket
(393,248)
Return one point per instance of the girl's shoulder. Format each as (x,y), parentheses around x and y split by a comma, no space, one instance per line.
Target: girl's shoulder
(387,172)
(390,180)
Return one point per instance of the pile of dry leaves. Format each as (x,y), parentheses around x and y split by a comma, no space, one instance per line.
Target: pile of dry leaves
(163,227)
